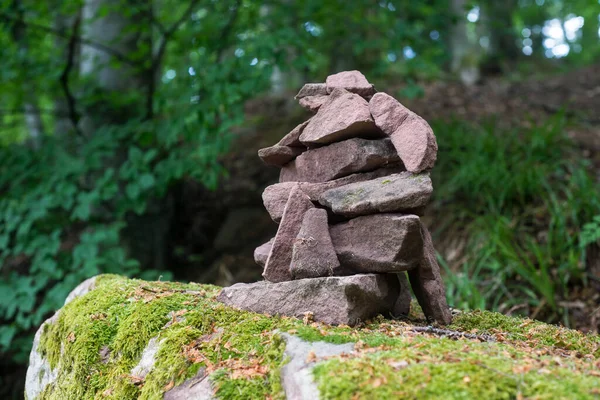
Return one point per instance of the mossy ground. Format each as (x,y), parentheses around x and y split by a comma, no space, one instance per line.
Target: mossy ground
(103,334)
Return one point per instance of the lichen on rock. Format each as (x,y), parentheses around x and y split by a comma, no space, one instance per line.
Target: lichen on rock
(94,343)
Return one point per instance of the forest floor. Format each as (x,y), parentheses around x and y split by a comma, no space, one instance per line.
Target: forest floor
(521,103)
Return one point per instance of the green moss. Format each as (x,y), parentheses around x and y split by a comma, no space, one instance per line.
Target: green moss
(194,331)
(535,333)
(422,367)
(99,338)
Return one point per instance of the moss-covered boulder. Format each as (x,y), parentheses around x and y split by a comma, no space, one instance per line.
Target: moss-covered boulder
(129,339)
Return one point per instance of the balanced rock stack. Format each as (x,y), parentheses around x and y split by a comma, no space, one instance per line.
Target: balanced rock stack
(353,180)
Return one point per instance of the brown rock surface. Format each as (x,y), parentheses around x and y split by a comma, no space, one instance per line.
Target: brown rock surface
(427,283)
(279,155)
(416,144)
(292,139)
(261,253)
(402,305)
(313,103)
(275,196)
(333,300)
(387,112)
(393,193)
(377,243)
(412,136)
(344,115)
(340,159)
(352,81)
(313,255)
(277,268)
(312,89)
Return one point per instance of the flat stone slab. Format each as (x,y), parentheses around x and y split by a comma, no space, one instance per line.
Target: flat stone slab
(412,136)
(275,196)
(344,115)
(296,375)
(340,159)
(428,285)
(393,193)
(198,387)
(261,253)
(313,255)
(377,243)
(277,268)
(313,103)
(387,112)
(279,155)
(311,89)
(333,300)
(352,81)
(292,139)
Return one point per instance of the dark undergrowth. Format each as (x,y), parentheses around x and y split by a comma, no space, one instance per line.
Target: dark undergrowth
(515,211)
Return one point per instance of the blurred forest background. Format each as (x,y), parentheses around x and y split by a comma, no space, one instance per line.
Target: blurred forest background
(129,131)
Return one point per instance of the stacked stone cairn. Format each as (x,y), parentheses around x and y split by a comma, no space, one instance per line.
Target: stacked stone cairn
(354,180)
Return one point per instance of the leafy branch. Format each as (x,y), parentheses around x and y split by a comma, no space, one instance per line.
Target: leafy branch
(157,58)
(99,46)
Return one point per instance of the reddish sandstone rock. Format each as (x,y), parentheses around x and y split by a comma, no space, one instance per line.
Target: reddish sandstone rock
(402,305)
(344,115)
(377,243)
(387,112)
(313,255)
(313,103)
(287,149)
(333,300)
(275,196)
(277,268)
(352,81)
(412,136)
(416,144)
(339,159)
(427,283)
(279,155)
(261,253)
(312,89)
(292,139)
(393,193)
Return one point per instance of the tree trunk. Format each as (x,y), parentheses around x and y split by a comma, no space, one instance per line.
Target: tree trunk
(503,39)
(63,23)
(33,119)
(118,70)
(116,75)
(465,54)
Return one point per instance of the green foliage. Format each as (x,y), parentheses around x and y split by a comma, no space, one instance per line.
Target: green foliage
(500,187)
(590,232)
(123,315)
(64,206)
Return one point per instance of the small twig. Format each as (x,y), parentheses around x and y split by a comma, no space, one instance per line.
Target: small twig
(195,382)
(452,334)
(185,291)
